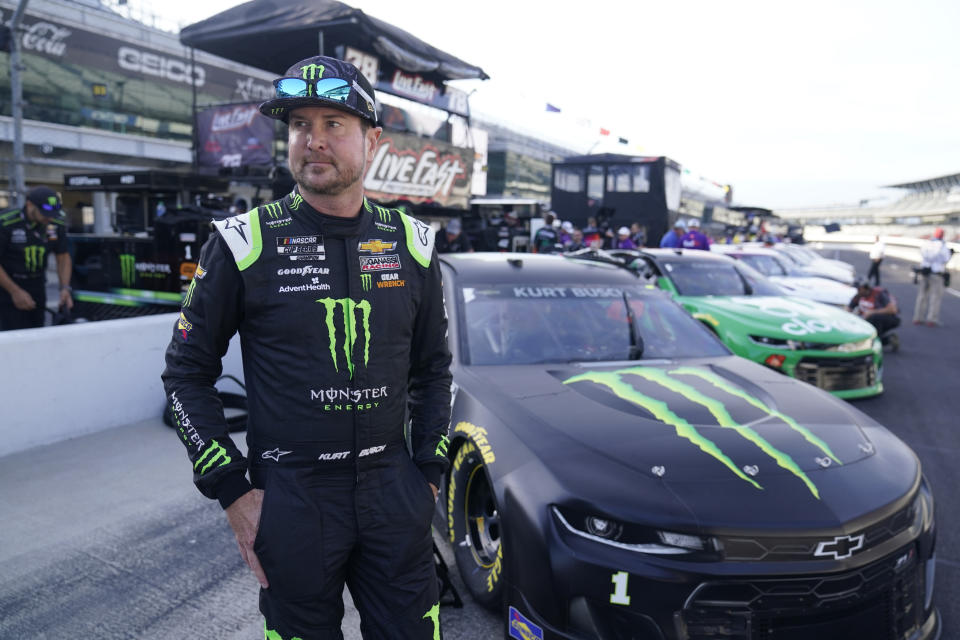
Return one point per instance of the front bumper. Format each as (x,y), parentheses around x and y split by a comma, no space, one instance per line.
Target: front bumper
(603,593)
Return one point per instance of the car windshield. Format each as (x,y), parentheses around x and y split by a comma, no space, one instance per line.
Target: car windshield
(767,265)
(714,278)
(510,324)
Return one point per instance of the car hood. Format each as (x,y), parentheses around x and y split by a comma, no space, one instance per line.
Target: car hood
(783,317)
(704,426)
(816,288)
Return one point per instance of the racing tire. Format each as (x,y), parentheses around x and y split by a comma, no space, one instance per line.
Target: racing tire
(473,518)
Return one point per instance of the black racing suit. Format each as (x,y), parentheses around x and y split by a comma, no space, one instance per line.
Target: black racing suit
(342,330)
(23,255)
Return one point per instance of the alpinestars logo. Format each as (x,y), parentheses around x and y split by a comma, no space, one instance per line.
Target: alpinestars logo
(128,269)
(681,381)
(33,257)
(349,309)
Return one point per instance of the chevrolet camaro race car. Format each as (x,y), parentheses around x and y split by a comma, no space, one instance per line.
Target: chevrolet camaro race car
(783,272)
(616,473)
(817,343)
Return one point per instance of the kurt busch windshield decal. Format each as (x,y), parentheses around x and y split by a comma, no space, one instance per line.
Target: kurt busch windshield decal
(681,380)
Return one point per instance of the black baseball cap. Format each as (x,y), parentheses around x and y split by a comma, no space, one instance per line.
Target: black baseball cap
(321,81)
(47,201)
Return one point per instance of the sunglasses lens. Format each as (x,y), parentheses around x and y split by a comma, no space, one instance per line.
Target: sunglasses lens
(333,89)
(292,88)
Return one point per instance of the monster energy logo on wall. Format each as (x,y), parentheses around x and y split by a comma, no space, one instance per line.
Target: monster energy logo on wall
(618,382)
(128,269)
(33,257)
(349,308)
(214,456)
(366,281)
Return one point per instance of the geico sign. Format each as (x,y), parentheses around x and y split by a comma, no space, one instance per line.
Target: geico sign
(155,65)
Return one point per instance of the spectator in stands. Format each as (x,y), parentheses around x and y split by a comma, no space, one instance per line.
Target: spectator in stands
(454,240)
(638,235)
(876,257)
(624,241)
(877,306)
(693,238)
(671,239)
(934,277)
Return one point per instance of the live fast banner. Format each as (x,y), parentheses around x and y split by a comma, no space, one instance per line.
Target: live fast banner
(234,136)
(420,170)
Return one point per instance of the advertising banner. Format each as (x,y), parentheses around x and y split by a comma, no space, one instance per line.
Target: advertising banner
(420,170)
(233,136)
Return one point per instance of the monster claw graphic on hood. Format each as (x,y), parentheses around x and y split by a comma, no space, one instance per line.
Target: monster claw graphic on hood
(618,383)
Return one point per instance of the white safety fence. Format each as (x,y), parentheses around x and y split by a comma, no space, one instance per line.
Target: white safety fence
(66,381)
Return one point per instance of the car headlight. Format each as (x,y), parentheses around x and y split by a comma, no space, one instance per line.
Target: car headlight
(860,345)
(922,509)
(633,537)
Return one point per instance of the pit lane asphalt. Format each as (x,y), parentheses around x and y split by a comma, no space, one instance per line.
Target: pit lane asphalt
(104,536)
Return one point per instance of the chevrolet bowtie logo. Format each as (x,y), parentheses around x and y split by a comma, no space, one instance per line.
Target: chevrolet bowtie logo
(377,246)
(840,547)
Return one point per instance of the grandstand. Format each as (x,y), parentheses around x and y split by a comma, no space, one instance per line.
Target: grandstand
(935,201)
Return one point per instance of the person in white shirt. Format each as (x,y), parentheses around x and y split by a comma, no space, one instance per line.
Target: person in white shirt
(876,257)
(934,255)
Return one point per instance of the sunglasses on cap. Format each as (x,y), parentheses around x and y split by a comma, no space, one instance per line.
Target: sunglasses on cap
(333,89)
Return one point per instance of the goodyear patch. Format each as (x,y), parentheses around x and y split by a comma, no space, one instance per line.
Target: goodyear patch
(523,629)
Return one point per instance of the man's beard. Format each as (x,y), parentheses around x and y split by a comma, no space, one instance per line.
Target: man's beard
(334,180)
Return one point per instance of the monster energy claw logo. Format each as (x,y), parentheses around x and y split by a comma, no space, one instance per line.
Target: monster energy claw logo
(33,257)
(310,71)
(384,213)
(442,446)
(214,456)
(273,209)
(128,269)
(434,615)
(618,382)
(295,201)
(349,308)
(366,280)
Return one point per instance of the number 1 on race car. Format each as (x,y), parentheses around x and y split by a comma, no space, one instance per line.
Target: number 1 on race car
(619,595)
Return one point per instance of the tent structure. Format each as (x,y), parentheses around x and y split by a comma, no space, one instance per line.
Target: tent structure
(273,34)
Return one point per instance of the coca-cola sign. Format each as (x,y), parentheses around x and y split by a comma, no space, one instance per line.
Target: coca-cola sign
(44,37)
(419,170)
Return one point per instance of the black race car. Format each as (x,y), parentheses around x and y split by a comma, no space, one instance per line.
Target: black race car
(618,474)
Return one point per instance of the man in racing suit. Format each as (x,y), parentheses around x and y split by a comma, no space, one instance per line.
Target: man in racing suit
(339,308)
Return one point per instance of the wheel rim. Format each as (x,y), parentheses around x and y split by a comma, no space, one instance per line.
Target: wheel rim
(482,519)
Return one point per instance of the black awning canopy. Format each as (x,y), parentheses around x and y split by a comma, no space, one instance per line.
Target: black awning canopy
(274,34)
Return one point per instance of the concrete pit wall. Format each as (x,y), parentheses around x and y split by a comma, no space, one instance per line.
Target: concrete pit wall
(67,381)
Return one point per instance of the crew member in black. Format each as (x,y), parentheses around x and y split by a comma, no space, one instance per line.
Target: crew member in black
(339,308)
(876,306)
(453,239)
(26,236)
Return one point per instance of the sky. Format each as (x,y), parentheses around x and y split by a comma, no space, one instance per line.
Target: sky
(795,105)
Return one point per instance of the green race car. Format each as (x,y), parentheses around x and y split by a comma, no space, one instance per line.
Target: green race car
(825,346)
